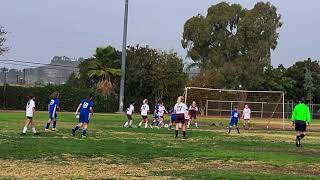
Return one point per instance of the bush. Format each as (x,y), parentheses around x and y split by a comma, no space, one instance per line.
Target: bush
(15,98)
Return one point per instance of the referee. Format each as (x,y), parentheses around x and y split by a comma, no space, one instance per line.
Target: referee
(300,118)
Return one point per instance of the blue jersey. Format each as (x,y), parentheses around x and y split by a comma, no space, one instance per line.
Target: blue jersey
(156,111)
(86,106)
(234,114)
(53,105)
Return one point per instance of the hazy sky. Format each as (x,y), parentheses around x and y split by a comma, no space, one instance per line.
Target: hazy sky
(41,29)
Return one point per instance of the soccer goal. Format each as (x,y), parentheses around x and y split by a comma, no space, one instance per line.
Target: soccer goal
(266,106)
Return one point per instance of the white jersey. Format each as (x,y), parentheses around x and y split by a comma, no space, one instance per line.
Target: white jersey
(144,109)
(180,108)
(130,109)
(246,113)
(29,108)
(161,110)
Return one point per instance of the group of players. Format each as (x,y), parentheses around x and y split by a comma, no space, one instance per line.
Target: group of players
(83,113)
(181,115)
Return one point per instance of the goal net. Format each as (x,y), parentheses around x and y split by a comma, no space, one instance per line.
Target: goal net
(266,106)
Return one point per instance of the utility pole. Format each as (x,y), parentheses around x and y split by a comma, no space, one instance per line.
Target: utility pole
(124,54)
(24,76)
(17,76)
(5,71)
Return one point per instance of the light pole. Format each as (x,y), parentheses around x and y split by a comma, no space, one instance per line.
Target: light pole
(124,54)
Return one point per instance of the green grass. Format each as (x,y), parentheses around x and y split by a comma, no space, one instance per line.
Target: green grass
(208,153)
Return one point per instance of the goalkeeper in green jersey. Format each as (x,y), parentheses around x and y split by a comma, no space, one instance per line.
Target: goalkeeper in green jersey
(300,118)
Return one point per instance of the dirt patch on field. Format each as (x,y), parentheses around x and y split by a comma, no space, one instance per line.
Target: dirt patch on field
(99,168)
(74,169)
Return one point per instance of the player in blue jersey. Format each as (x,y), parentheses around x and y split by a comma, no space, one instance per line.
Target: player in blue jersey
(155,113)
(53,107)
(85,108)
(173,118)
(234,119)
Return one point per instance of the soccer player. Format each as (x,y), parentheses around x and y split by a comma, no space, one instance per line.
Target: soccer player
(193,110)
(246,115)
(180,110)
(300,118)
(234,119)
(130,109)
(53,106)
(161,112)
(173,118)
(156,113)
(85,108)
(144,113)
(30,110)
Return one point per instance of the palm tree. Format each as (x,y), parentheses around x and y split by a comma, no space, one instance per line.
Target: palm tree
(104,67)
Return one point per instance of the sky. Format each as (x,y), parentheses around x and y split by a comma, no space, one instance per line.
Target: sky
(39,30)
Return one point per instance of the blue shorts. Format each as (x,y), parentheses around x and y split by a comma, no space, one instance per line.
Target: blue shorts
(234,122)
(53,116)
(84,118)
(173,118)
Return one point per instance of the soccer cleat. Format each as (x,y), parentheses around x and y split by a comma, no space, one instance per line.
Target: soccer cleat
(46,130)
(138,126)
(23,134)
(54,129)
(130,126)
(36,133)
(73,132)
(84,136)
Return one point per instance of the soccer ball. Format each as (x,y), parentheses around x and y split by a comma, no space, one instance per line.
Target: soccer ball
(166,125)
(77,116)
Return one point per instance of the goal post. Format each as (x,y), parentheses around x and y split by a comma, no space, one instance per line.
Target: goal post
(269,105)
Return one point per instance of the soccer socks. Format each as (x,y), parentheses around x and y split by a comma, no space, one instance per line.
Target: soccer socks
(130,123)
(24,129)
(76,128)
(196,124)
(238,130)
(146,125)
(177,133)
(34,130)
(229,130)
(126,124)
(184,134)
(54,124)
(48,124)
(302,136)
(84,132)
(140,123)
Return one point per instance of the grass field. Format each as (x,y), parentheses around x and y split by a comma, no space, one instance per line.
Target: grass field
(112,152)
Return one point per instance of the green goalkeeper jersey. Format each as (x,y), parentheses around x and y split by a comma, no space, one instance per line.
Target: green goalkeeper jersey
(301,113)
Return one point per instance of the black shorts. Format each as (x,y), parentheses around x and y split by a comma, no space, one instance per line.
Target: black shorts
(28,117)
(129,116)
(300,126)
(144,118)
(180,119)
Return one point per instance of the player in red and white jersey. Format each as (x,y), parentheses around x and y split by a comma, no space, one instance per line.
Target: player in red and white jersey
(180,110)
(144,113)
(193,110)
(130,110)
(161,111)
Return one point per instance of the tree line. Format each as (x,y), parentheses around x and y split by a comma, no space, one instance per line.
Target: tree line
(230,46)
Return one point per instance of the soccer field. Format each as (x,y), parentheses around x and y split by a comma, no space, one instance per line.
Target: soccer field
(113,152)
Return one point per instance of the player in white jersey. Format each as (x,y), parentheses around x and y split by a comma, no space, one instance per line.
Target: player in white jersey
(30,110)
(246,115)
(161,112)
(180,110)
(144,113)
(130,109)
